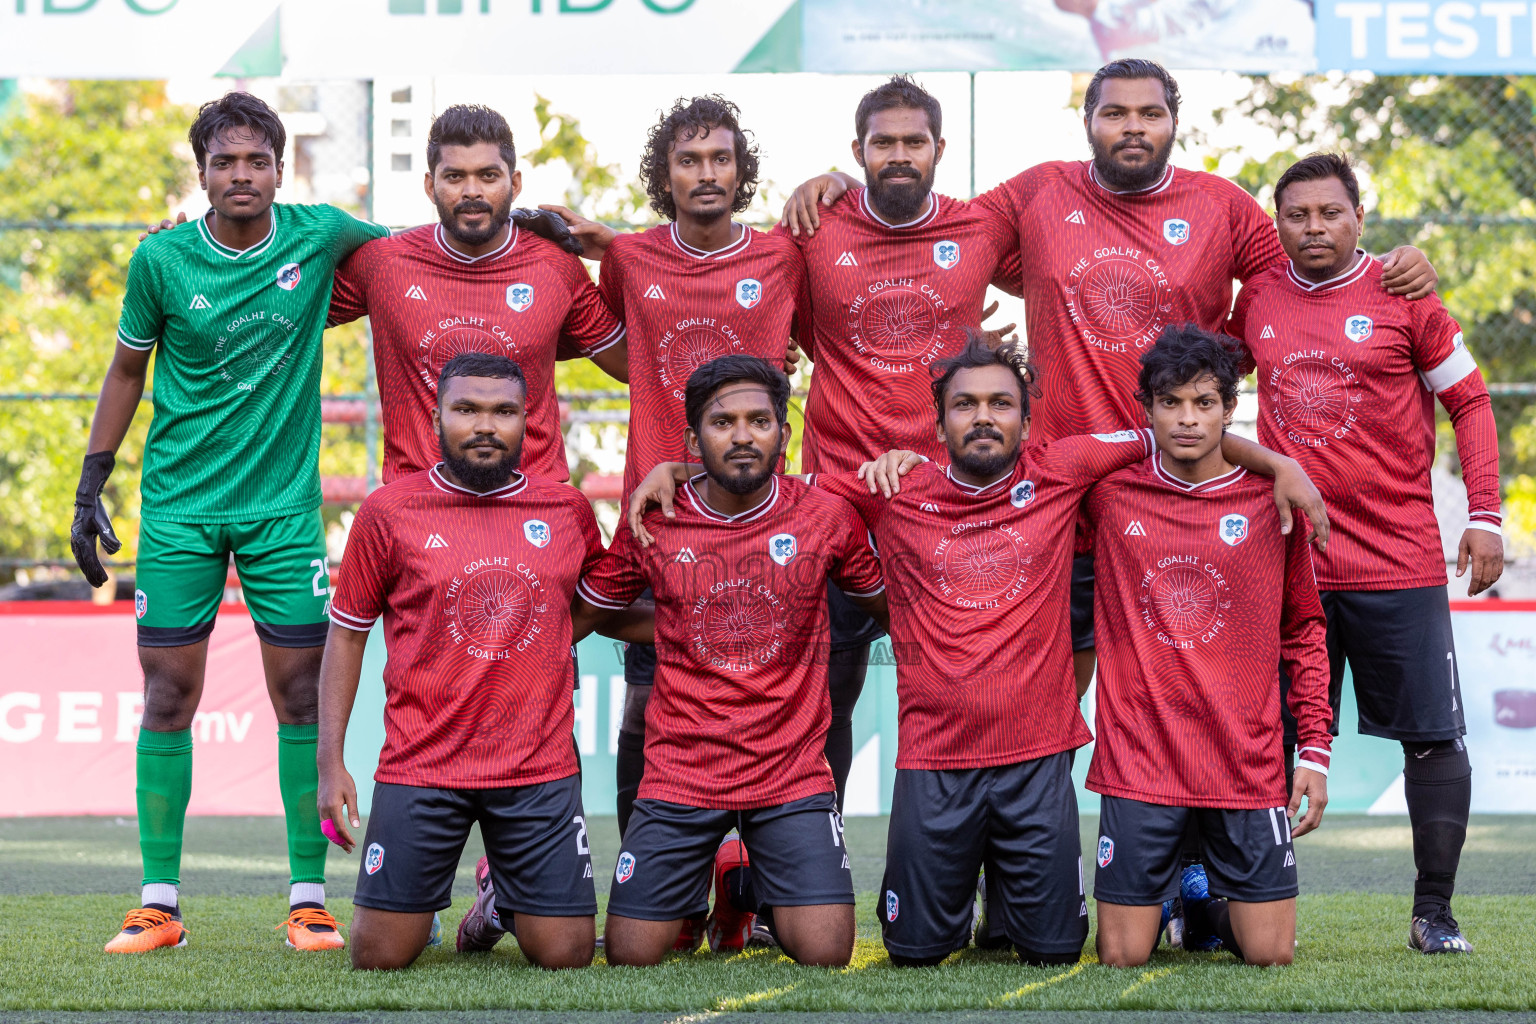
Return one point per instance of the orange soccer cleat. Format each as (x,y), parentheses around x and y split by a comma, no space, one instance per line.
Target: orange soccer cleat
(312,928)
(145,929)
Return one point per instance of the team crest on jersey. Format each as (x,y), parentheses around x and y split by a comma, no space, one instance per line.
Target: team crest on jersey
(946,254)
(1176,231)
(1106,851)
(288,276)
(519,296)
(1234,529)
(375,859)
(1022,494)
(892,905)
(625,869)
(537,532)
(749,292)
(140,603)
(782,548)
(1358,328)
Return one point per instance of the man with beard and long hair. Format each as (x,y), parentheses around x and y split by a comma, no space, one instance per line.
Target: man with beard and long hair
(736,726)
(477,281)
(472,566)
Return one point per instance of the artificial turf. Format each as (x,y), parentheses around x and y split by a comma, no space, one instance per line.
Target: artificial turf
(1351,955)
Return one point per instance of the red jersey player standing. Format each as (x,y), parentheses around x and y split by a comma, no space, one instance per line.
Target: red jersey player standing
(1200,596)
(1348,377)
(477,281)
(736,727)
(473,566)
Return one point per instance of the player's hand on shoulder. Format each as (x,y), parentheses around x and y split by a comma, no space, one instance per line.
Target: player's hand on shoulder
(1407,271)
(659,488)
(883,476)
(549,225)
(995,336)
(1314,786)
(1295,490)
(800,213)
(592,238)
(165,225)
(1483,552)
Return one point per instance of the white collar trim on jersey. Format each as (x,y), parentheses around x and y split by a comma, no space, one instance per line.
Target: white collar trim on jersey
(1215,483)
(718,254)
(1349,276)
(756,512)
(454,254)
(442,483)
(1150,190)
(237,254)
(917,222)
(972,489)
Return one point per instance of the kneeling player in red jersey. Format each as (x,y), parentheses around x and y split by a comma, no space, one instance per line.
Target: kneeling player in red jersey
(1199,597)
(473,566)
(736,725)
(1348,378)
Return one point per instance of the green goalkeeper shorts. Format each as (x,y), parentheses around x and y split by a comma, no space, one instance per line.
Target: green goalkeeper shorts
(183,568)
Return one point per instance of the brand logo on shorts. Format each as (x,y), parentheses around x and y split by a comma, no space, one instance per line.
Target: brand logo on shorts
(519,296)
(1290,859)
(782,548)
(626,868)
(1106,851)
(946,254)
(140,603)
(749,292)
(288,276)
(537,532)
(1358,328)
(892,905)
(1176,231)
(375,859)
(1234,529)
(1022,494)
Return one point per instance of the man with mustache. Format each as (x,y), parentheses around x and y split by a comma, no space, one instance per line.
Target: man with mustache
(235,306)
(472,566)
(477,281)
(736,726)
(1348,377)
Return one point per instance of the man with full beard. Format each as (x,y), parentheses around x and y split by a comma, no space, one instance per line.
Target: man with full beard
(472,565)
(478,281)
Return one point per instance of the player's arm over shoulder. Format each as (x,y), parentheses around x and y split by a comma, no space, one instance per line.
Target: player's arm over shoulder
(343,232)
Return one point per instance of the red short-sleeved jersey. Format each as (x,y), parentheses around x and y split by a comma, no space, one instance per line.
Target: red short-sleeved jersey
(1104,272)
(978,583)
(683,306)
(1198,597)
(475,591)
(529,300)
(887,301)
(1347,382)
(739,714)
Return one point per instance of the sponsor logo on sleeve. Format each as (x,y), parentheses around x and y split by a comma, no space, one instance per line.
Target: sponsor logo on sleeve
(1106,851)
(625,869)
(946,254)
(782,548)
(892,905)
(1119,436)
(374,860)
(288,276)
(1022,494)
(1234,529)
(1358,328)
(749,292)
(519,296)
(1176,231)
(537,532)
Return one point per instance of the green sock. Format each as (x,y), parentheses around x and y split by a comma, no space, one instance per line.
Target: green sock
(298,777)
(164,786)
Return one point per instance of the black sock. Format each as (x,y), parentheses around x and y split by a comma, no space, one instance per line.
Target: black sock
(846,670)
(631,766)
(840,756)
(897,960)
(1437,781)
(1220,916)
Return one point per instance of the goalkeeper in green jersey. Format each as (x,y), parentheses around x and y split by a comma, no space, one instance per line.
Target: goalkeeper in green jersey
(235,302)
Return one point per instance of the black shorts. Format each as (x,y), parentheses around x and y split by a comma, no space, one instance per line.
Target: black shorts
(1247,853)
(1081,602)
(1400,651)
(850,625)
(795,849)
(1021,820)
(535,839)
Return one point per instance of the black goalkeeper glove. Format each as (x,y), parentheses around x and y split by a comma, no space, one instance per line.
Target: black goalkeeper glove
(550,225)
(91,520)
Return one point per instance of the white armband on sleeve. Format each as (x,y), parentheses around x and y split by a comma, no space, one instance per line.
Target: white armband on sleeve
(1455,368)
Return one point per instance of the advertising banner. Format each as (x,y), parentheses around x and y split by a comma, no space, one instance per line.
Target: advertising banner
(1424,36)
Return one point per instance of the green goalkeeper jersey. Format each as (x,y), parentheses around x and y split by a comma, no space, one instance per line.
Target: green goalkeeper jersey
(236,429)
